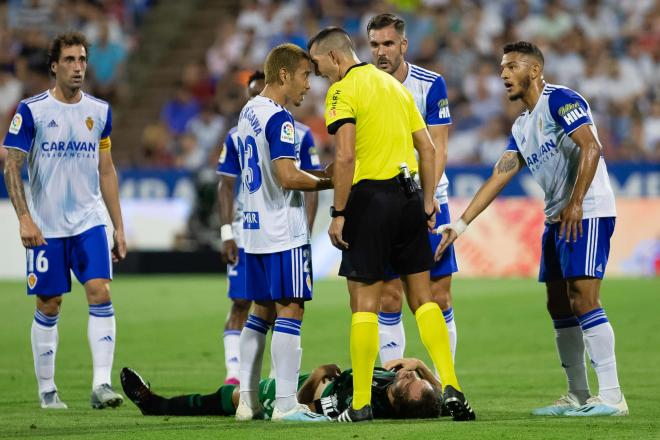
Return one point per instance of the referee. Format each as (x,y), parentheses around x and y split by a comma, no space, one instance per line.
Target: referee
(380,218)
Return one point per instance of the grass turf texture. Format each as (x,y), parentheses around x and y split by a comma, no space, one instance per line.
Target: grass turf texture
(170,330)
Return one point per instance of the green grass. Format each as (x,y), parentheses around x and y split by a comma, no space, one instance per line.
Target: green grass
(169,329)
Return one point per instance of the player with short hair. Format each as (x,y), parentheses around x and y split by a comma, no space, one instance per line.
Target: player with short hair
(404,389)
(556,138)
(65,135)
(387,39)
(380,215)
(231,217)
(275,235)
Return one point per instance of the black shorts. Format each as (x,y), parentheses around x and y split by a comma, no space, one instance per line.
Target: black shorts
(385,230)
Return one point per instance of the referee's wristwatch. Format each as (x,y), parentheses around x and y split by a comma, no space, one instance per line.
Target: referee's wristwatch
(335,213)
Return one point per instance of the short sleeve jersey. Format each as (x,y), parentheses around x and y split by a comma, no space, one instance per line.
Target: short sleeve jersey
(229,165)
(385,116)
(338,394)
(274,218)
(542,137)
(62,142)
(429,91)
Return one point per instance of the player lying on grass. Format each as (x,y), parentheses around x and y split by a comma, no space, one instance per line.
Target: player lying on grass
(405,389)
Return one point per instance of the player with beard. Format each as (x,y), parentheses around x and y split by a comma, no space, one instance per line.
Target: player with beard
(387,39)
(556,138)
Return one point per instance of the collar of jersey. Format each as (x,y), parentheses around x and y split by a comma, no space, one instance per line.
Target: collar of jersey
(353,66)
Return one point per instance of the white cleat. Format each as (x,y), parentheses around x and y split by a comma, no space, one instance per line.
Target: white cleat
(51,400)
(103,396)
(559,408)
(244,412)
(596,406)
(299,413)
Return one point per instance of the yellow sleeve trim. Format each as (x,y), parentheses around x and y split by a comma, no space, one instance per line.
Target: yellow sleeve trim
(105,144)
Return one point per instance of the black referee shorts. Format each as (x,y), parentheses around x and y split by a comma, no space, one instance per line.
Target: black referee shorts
(385,229)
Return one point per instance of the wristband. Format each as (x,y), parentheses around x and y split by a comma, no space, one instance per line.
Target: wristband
(459,227)
(226,233)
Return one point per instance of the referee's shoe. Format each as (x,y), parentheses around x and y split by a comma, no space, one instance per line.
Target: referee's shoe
(351,415)
(458,405)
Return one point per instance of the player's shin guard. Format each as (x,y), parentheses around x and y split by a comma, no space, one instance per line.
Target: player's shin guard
(570,346)
(599,339)
(44,347)
(434,335)
(364,350)
(286,353)
(391,336)
(252,343)
(101,332)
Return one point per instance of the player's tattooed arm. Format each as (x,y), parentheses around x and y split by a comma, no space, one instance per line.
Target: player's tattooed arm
(30,233)
(13,180)
(508,162)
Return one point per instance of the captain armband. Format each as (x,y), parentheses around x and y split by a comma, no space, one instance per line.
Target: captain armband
(105,144)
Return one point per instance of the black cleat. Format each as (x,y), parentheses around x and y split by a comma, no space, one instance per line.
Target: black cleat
(457,404)
(351,415)
(139,392)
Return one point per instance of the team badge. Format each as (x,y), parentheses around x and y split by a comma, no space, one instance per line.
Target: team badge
(89,122)
(16,124)
(32,280)
(288,134)
(308,280)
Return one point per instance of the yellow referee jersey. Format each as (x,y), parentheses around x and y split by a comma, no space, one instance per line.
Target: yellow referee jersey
(385,116)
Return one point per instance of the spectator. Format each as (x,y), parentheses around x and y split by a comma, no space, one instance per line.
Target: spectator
(106,59)
(189,157)
(180,109)
(157,147)
(208,127)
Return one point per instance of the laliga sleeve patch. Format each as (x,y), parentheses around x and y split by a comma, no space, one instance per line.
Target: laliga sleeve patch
(288,133)
(16,124)
(223,154)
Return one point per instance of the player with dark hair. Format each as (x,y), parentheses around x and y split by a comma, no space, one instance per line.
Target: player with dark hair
(387,39)
(65,135)
(556,138)
(230,201)
(275,235)
(380,216)
(405,389)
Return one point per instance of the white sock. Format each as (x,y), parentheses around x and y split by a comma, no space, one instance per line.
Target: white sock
(251,349)
(101,330)
(44,348)
(286,352)
(231,341)
(391,336)
(599,339)
(451,328)
(570,347)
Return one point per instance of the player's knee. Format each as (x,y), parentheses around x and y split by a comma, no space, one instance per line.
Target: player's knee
(98,291)
(391,299)
(49,305)
(240,306)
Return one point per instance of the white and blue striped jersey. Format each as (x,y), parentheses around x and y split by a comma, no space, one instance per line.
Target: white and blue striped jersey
(229,165)
(62,142)
(430,93)
(542,137)
(274,218)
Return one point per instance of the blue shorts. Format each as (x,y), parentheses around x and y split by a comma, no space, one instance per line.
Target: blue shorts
(447,264)
(236,277)
(587,257)
(49,266)
(280,275)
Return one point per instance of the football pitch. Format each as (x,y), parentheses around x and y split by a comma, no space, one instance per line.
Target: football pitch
(169,328)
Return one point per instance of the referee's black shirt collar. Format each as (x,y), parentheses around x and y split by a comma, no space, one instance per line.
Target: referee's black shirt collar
(354,66)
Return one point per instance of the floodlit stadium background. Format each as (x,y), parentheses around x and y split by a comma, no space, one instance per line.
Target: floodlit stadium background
(174,73)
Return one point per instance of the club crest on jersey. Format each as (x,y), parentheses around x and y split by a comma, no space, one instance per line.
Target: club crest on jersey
(288,134)
(16,124)
(32,280)
(89,122)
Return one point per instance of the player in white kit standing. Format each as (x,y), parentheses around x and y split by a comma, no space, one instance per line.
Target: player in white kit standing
(275,235)
(387,39)
(65,135)
(556,139)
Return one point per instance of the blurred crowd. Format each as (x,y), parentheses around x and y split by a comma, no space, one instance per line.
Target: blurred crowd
(29,25)
(608,50)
